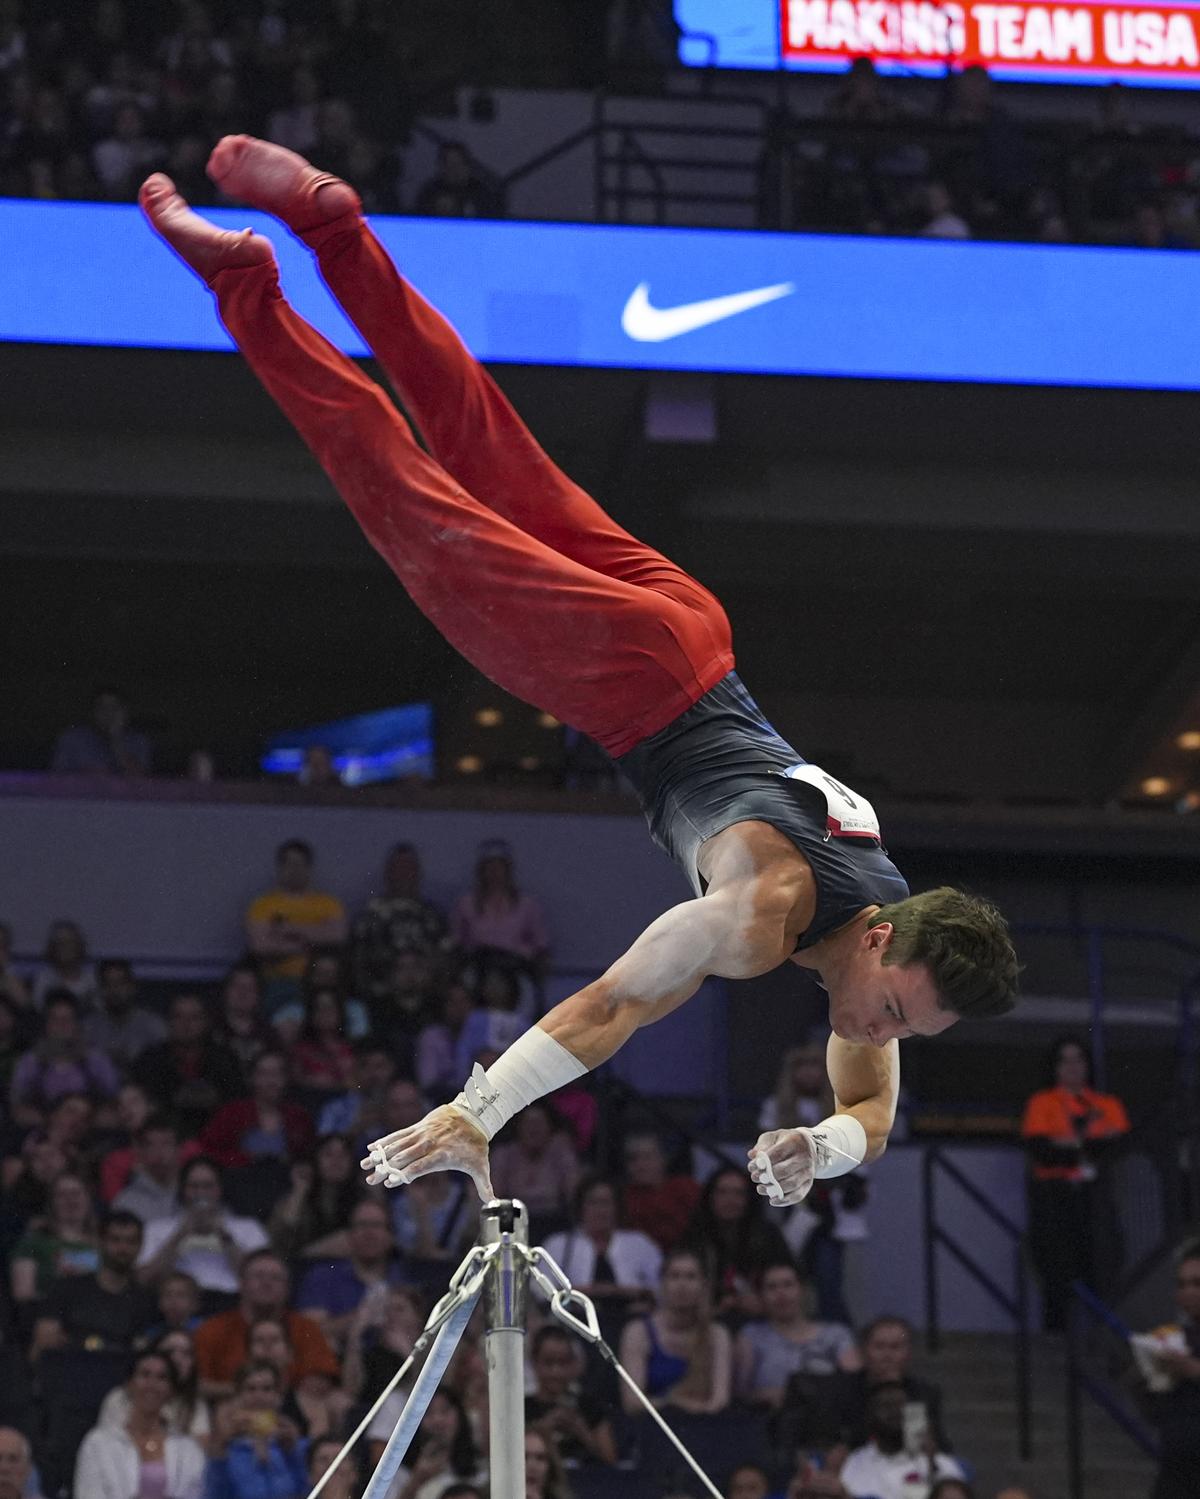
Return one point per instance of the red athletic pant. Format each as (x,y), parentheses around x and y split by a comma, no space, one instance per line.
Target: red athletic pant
(519,569)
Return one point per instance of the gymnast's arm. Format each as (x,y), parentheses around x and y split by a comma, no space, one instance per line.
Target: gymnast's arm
(739,931)
(866,1084)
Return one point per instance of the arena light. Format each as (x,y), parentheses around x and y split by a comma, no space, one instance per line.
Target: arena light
(1155,786)
(1189,739)
(489,718)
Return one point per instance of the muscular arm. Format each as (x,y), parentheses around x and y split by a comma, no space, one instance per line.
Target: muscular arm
(866,1083)
(736,933)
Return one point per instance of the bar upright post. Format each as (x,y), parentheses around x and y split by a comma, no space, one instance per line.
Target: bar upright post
(505,1290)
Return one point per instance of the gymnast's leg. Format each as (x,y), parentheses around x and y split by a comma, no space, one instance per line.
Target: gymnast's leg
(613,659)
(467,421)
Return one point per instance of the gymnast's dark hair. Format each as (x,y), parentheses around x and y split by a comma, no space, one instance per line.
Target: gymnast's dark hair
(964,943)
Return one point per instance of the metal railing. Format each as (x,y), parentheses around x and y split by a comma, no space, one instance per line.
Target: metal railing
(1014,1303)
(1089,1313)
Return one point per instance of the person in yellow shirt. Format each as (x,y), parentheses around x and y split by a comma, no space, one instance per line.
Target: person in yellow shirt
(286,923)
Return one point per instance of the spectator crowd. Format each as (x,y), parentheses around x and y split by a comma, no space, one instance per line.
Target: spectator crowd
(202,1297)
(93,98)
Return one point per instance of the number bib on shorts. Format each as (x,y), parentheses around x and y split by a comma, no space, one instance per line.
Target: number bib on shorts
(847,814)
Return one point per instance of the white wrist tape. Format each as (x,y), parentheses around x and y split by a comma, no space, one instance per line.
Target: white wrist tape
(534,1065)
(839,1145)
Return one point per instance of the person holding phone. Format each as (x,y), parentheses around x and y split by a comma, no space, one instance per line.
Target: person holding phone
(258,1453)
(900,1450)
(142,1458)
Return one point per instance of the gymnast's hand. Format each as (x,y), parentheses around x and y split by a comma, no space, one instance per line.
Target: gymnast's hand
(443,1141)
(790,1156)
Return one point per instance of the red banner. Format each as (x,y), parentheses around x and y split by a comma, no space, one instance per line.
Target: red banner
(1111,39)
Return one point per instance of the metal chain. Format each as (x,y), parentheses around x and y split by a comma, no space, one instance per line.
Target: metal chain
(552,1280)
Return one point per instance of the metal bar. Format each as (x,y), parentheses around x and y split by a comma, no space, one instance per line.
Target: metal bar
(932,1328)
(980,1276)
(417,1403)
(1074,1412)
(1024,1364)
(504,1296)
(1002,1220)
(1095,961)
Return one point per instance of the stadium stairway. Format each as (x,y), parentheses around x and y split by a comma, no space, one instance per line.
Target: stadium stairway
(975,1371)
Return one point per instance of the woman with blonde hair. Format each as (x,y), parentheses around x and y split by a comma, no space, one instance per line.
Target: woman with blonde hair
(803,1094)
(680,1355)
(545,1477)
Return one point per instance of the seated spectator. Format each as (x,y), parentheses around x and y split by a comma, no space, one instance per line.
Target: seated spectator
(433,1220)
(496,915)
(397,920)
(241,1027)
(406,1003)
(618,1267)
(178,1305)
(544,1475)
(143,1458)
(577,1424)
(360,1111)
(458,189)
(263,1126)
(321,1455)
(64,1243)
(380,1337)
(1175,1409)
(120,161)
(256,1451)
(803,1094)
(14,1042)
(119,1026)
(186,1412)
(61,1062)
(106,1309)
(495,1022)
(321,1059)
(294,125)
(748,1482)
(188,1075)
(887,1346)
(659,1205)
(785,1342)
(153,1187)
(27,1180)
(1069,1130)
(120,1157)
(106,745)
(539,1166)
(64,965)
(222,1341)
(679,1355)
(203,1237)
(310,1220)
(881,1468)
(437,1070)
(317,1403)
(330,1292)
(941,221)
(287,922)
(443,1451)
(859,97)
(952,1488)
(16,1465)
(730,1233)
(326,970)
(12,985)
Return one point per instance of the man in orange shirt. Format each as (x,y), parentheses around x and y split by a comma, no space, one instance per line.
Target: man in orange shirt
(1067,1129)
(221,1340)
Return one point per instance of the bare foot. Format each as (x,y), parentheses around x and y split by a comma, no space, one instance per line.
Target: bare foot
(278,181)
(202,245)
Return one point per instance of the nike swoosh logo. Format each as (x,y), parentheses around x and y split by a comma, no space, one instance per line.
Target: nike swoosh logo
(654,325)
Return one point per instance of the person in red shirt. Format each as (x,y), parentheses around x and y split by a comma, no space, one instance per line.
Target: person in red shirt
(661,1206)
(222,1341)
(1068,1129)
(322,1060)
(263,1126)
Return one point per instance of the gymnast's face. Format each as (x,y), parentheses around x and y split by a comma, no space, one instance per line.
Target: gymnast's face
(872,1002)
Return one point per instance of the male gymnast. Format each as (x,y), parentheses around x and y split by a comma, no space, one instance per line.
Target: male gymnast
(532,582)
